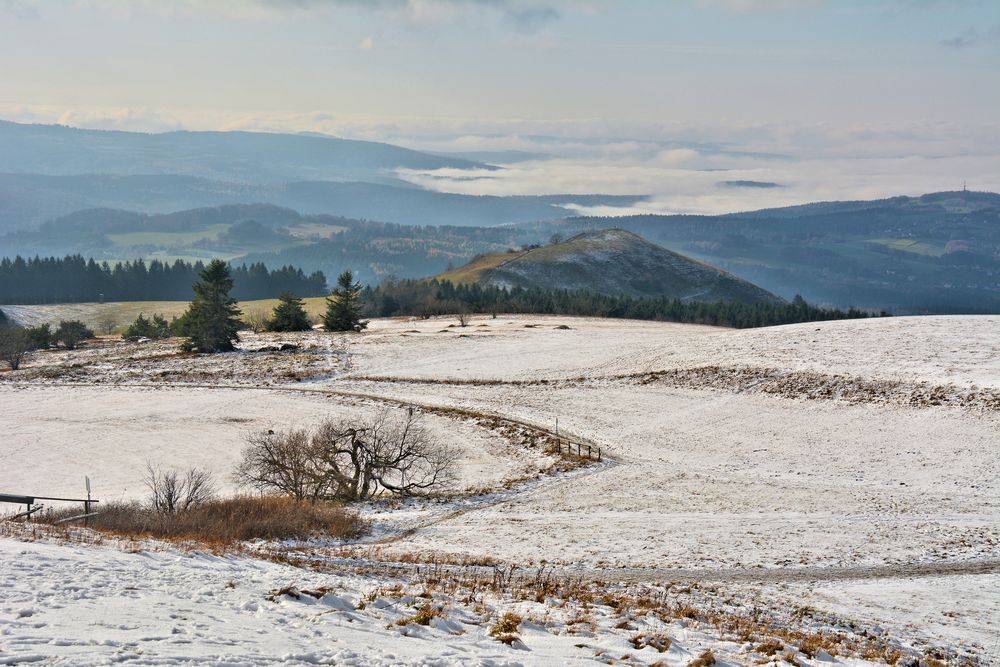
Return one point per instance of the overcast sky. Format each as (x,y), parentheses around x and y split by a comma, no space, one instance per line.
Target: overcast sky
(637,79)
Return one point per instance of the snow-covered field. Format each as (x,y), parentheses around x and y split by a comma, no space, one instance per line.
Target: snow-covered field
(852,467)
(67,604)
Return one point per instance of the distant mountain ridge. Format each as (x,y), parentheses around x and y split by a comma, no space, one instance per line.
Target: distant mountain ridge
(28,200)
(243,157)
(612,262)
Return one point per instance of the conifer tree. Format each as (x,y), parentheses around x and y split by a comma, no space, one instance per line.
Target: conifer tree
(71,333)
(212,319)
(289,315)
(343,306)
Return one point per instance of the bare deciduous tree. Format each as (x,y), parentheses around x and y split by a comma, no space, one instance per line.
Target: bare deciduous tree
(255,319)
(284,462)
(463,318)
(14,345)
(348,460)
(107,324)
(174,491)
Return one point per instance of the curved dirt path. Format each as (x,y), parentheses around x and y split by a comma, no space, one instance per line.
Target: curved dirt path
(798,574)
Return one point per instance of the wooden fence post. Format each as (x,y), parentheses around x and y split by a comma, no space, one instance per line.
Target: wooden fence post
(86,503)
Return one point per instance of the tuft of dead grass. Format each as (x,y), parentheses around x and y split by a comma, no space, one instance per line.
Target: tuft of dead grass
(505,629)
(769,647)
(658,641)
(704,660)
(425,614)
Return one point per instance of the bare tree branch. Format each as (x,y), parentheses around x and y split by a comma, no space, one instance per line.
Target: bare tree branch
(172,491)
(348,460)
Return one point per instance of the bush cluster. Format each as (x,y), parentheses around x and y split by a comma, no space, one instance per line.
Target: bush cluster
(16,342)
(155,327)
(226,520)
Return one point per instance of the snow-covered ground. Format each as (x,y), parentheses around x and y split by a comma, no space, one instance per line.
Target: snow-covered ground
(54,436)
(964,350)
(867,503)
(64,604)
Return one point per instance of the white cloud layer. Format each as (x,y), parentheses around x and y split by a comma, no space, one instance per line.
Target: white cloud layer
(681,167)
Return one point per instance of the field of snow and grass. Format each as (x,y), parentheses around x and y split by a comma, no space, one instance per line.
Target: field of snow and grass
(836,477)
(117,315)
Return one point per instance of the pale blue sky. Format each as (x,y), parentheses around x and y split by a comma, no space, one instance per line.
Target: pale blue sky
(807,79)
(739,61)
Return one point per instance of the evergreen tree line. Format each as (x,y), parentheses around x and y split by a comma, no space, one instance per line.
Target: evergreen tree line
(73,279)
(428,298)
(213,320)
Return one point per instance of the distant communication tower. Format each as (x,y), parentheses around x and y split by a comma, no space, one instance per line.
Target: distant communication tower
(964,189)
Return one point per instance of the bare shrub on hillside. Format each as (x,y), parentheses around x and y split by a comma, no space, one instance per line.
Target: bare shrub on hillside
(463,318)
(255,319)
(284,462)
(14,345)
(172,490)
(348,459)
(107,324)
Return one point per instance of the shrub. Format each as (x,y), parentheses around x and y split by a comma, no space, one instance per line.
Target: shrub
(657,641)
(425,614)
(14,345)
(505,629)
(173,491)
(71,333)
(706,659)
(41,336)
(255,319)
(157,327)
(226,520)
(769,647)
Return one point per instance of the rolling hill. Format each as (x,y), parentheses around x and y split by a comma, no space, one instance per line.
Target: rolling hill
(610,261)
(935,253)
(262,233)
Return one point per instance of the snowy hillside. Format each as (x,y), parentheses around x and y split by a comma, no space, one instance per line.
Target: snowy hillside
(829,476)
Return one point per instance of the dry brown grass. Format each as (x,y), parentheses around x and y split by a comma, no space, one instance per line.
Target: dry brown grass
(505,629)
(659,641)
(686,612)
(469,582)
(769,647)
(226,521)
(704,660)
(425,614)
